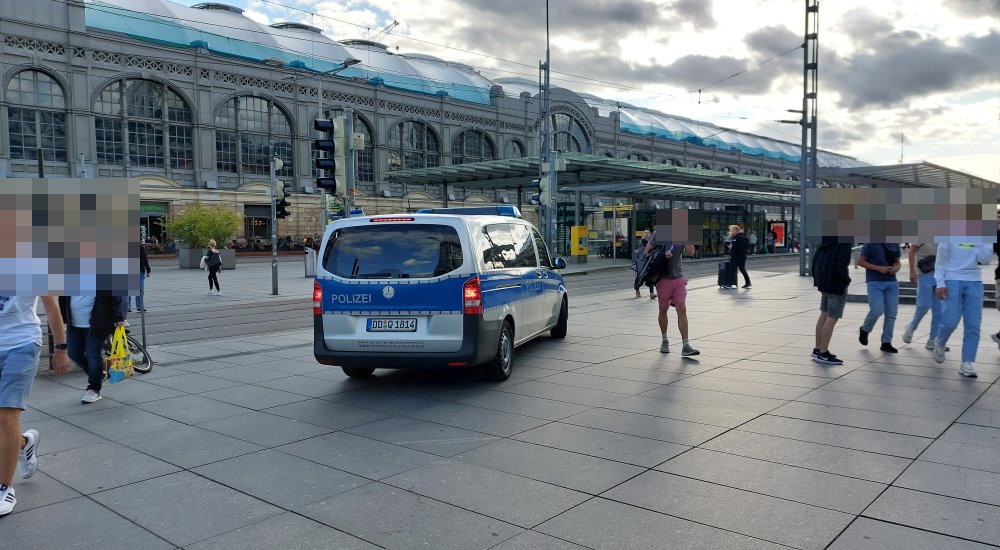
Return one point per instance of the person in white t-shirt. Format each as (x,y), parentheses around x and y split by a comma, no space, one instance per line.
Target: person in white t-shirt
(20,347)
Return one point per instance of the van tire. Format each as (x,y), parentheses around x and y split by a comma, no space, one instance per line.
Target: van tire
(559,331)
(358,372)
(500,367)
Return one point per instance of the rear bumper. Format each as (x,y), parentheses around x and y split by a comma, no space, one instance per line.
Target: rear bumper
(478,346)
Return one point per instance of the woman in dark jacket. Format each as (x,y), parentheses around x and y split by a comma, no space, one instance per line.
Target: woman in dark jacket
(213,262)
(739,247)
(639,258)
(90,321)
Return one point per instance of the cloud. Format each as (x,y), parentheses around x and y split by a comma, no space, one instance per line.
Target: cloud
(975,8)
(864,27)
(696,12)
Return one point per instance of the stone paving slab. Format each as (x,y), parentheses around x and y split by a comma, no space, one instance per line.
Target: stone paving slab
(597,441)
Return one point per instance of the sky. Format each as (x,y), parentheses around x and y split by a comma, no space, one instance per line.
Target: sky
(898,79)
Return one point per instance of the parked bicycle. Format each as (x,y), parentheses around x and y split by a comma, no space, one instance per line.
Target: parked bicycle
(141,361)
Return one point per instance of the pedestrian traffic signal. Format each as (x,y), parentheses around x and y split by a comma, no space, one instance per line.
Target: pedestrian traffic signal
(332,148)
(281,208)
(543,190)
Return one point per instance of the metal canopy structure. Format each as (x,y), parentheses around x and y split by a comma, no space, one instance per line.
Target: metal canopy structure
(682,192)
(597,174)
(919,174)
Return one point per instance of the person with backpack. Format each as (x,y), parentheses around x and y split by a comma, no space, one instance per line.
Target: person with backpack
(213,262)
(960,284)
(639,259)
(922,257)
(671,288)
(881,262)
(831,277)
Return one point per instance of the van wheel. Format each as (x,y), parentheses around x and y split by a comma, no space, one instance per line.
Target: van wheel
(559,331)
(499,368)
(358,372)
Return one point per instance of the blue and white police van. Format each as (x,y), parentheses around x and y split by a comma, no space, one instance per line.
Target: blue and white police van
(438,288)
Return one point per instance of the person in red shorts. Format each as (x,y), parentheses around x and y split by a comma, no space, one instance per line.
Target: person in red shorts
(671,290)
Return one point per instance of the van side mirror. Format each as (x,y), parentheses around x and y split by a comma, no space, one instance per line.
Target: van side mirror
(558,263)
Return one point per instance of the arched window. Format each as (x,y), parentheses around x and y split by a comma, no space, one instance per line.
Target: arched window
(728,170)
(145,122)
(673,162)
(702,166)
(513,150)
(36,114)
(244,128)
(569,135)
(412,145)
(365,160)
(637,156)
(472,146)
(774,176)
(751,172)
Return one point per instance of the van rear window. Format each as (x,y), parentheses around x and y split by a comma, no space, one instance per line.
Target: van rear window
(393,251)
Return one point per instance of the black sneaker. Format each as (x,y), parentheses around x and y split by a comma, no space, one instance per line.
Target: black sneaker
(886,346)
(862,337)
(814,353)
(748,285)
(828,358)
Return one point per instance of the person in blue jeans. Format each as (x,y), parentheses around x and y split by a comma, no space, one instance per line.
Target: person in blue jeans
(922,256)
(960,284)
(881,263)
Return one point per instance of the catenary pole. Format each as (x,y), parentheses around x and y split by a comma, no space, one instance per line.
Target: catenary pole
(274,227)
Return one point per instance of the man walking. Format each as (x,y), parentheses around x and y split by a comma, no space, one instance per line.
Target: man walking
(20,346)
(881,262)
(960,285)
(671,290)
(831,277)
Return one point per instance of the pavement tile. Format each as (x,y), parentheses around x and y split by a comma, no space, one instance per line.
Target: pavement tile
(638,375)
(644,425)
(478,419)
(538,407)
(603,444)
(383,400)
(602,383)
(965,455)
(408,521)
(575,352)
(38,491)
(184,508)
(981,417)
(118,465)
(821,489)
(429,437)
(861,439)
(563,393)
(321,412)
(983,436)
(137,391)
(678,410)
(280,479)
(878,403)
(308,386)
(709,398)
(288,532)
(253,397)
(955,384)
(773,519)
(987,373)
(823,458)
(121,423)
(868,534)
(358,455)
(740,387)
(764,377)
(895,423)
(669,362)
(949,516)
(508,497)
(57,435)
(558,467)
(67,402)
(189,446)
(531,540)
(264,429)
(952,481)
(194,383)
(788,364)
(247,374)
(79,519)
(943,397)
(601,523)
(192,409)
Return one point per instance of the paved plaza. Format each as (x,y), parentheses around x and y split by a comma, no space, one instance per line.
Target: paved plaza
(597,441)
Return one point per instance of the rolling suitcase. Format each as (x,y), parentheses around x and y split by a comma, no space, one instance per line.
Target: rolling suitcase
(727,276)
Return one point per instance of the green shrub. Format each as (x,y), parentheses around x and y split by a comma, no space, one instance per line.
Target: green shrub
(199,224)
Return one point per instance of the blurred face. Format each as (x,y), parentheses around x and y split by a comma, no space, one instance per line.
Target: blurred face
(646,234)
(733,231)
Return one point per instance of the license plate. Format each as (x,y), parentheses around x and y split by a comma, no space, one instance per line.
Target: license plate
(408,324)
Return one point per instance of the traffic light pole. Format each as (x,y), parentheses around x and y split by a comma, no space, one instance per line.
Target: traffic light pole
(349,158)
(274,227)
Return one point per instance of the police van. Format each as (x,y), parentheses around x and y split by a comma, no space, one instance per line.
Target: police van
(435,289)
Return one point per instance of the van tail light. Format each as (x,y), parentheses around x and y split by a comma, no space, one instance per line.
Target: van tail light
(472,297)
(317,298)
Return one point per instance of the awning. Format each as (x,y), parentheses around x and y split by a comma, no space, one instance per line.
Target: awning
(682,192)
(920,174)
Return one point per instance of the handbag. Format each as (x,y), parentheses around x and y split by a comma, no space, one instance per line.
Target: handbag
(119,361)
(201,265)
(926,264)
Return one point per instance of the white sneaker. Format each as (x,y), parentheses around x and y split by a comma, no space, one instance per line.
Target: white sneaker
(218,293)
(7,500)
(90,396)
(27,459)
(930,345)
(688,351)
(211,292)
(938,352)
(908,335)
(967,369)
(664,346)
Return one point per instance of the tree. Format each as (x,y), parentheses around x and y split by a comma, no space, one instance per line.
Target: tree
(199,224)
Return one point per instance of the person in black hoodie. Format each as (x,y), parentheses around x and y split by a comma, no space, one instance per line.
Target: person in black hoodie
(738,249)
(996,278)
(831,277)
(90,320)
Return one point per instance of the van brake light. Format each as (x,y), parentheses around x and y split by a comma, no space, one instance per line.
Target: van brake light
(398,219)
(472,297)
(317,298)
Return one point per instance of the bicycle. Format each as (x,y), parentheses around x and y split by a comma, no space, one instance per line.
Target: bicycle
(141,361)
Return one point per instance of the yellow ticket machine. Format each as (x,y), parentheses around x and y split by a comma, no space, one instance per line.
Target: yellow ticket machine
(579,237)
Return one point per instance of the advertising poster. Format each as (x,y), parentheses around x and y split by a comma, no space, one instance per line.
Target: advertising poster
(778,228)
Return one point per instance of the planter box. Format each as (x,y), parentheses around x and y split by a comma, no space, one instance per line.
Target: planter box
(190,258)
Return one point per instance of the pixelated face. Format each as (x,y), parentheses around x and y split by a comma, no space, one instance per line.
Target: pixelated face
(679,226)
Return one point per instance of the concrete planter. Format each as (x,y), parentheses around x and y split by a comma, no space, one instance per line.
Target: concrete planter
(190,258)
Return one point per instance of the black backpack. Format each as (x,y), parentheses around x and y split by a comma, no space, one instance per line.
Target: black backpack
(655,266)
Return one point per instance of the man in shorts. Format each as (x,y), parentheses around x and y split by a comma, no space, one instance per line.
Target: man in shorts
(20,346)
(671,290)
(831,277)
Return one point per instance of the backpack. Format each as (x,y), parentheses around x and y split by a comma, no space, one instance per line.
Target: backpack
(655,266)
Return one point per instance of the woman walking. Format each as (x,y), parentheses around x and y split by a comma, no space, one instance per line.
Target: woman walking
(213,261)
(90,320)
(739,246)
(639,259)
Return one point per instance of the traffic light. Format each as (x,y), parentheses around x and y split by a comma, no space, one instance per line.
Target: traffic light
(281,208)
(332,148)
(543,190)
